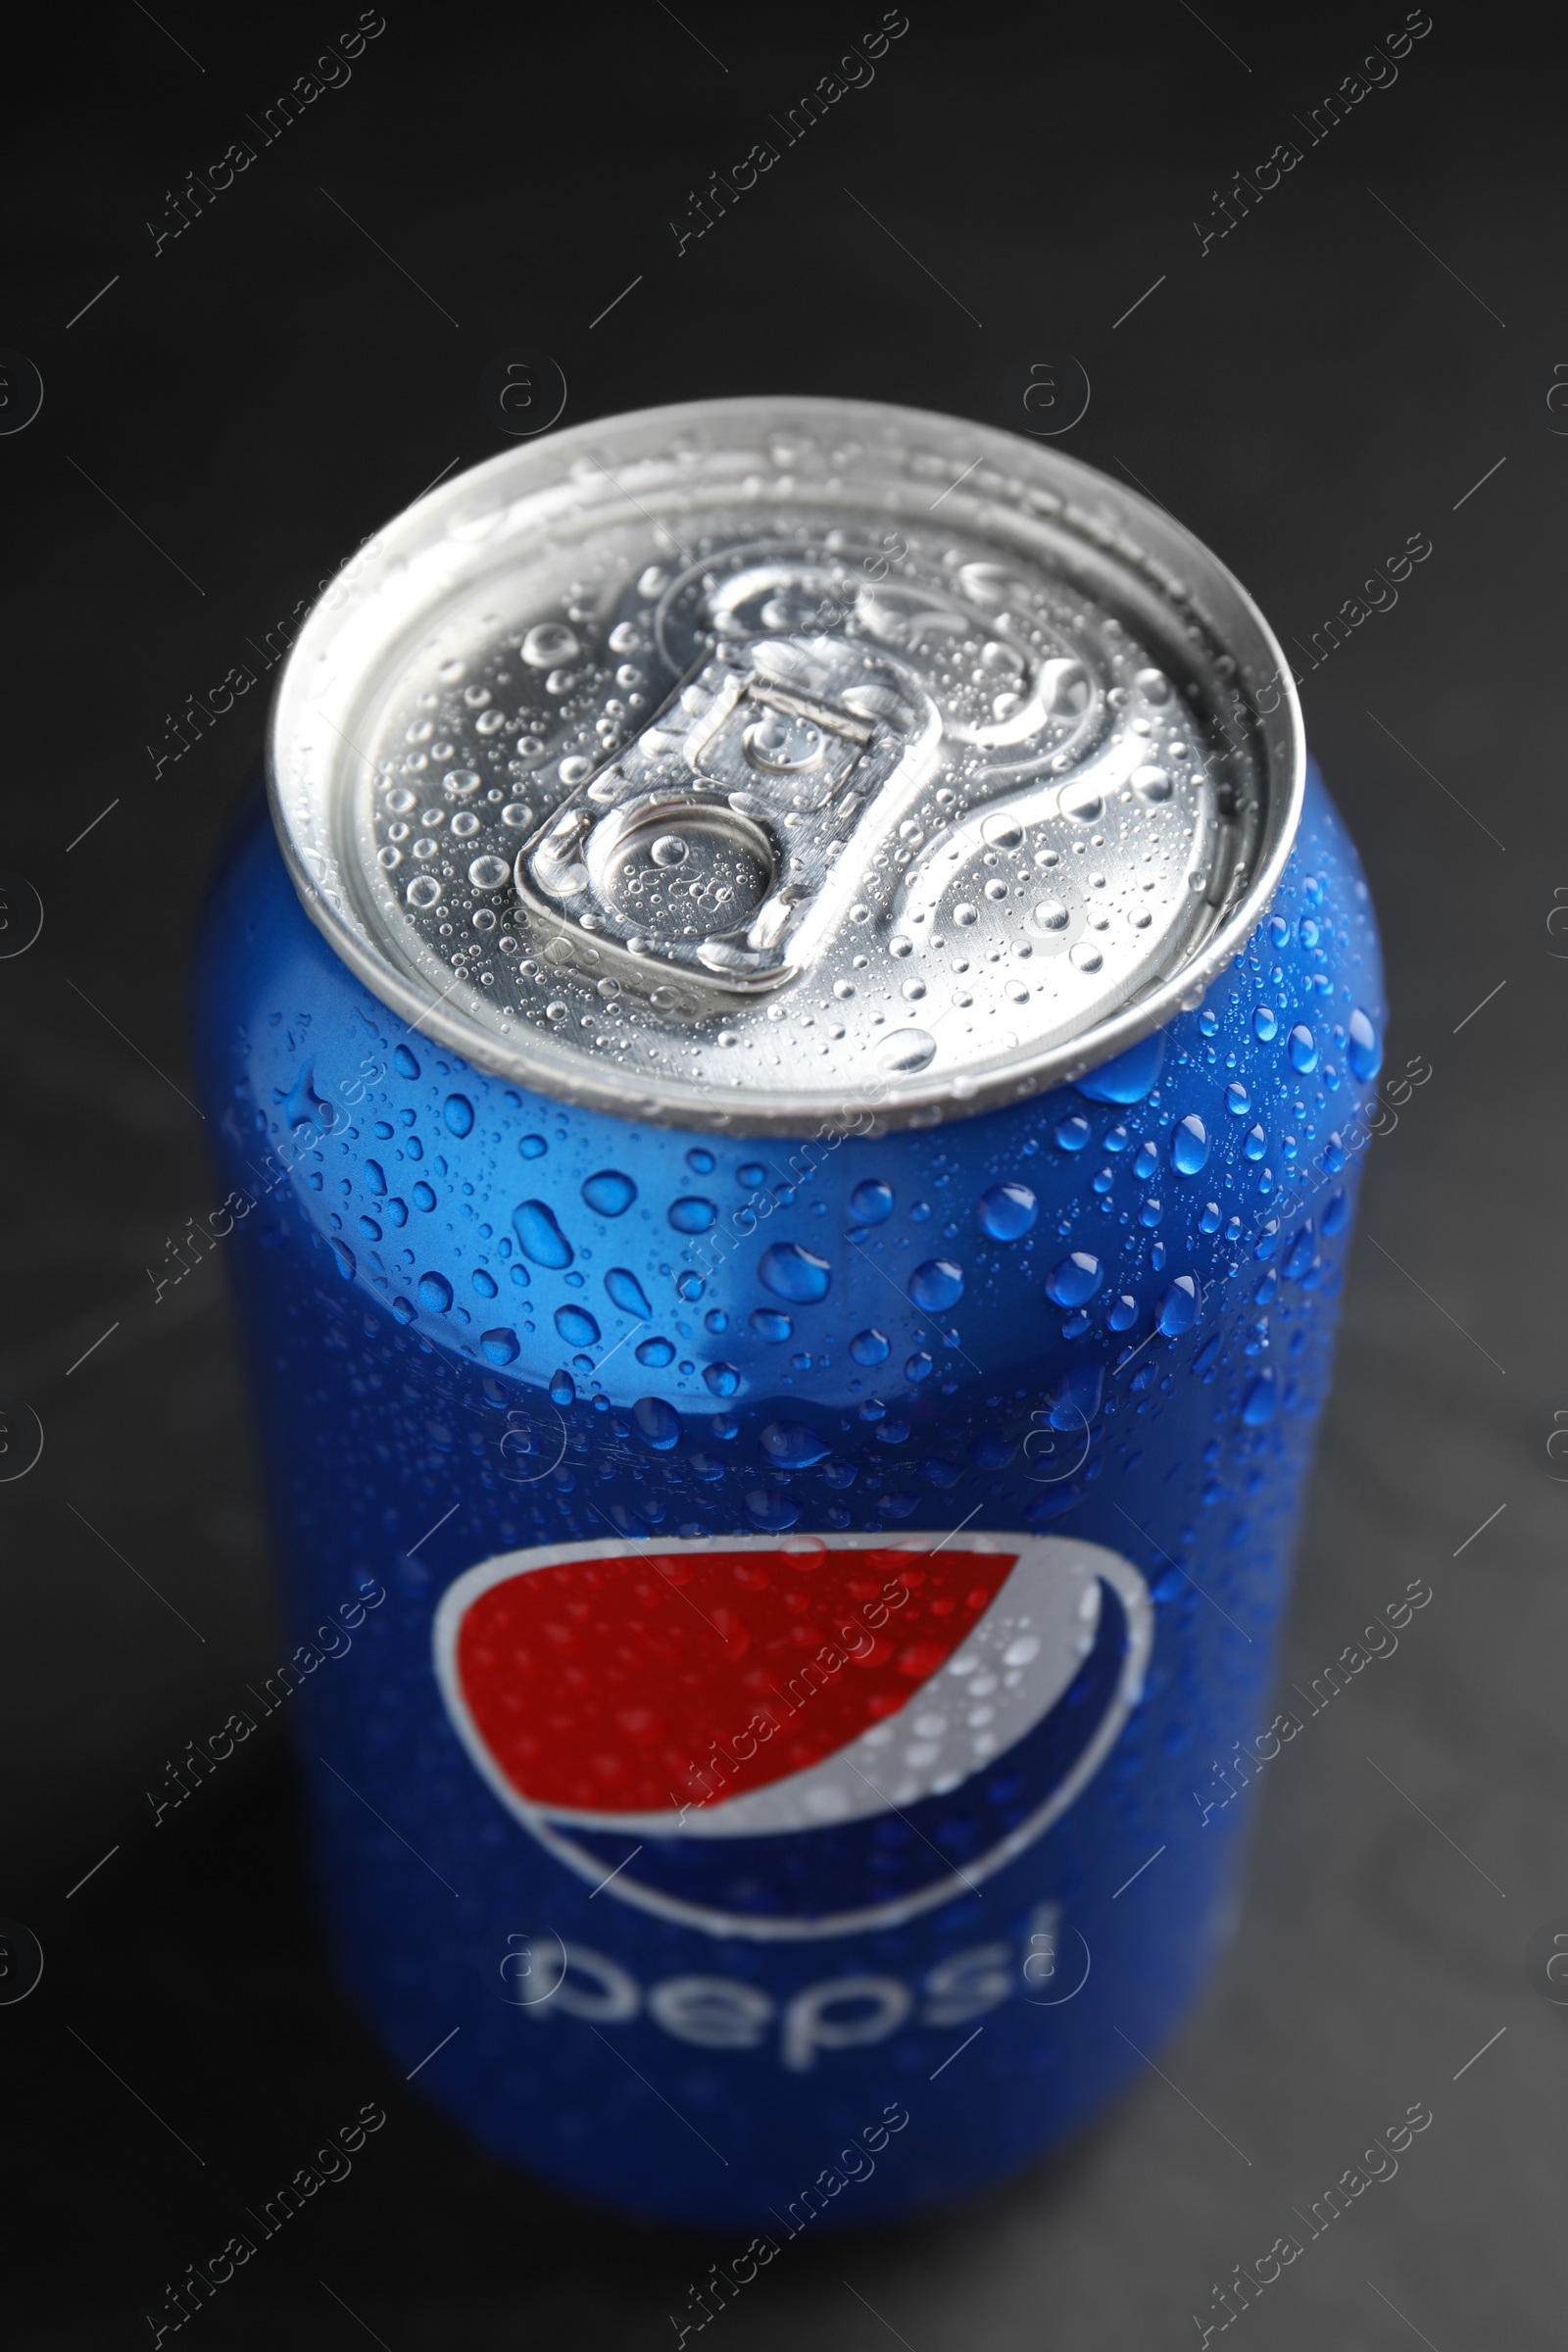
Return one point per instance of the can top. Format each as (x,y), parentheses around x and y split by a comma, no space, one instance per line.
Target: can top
(763,763)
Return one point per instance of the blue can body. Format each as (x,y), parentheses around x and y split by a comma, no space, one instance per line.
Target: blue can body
(1102,1316)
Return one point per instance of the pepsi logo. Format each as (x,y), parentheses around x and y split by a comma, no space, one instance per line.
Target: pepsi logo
(792,1736)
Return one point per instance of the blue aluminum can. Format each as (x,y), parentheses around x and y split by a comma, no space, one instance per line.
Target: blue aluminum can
(789,1072)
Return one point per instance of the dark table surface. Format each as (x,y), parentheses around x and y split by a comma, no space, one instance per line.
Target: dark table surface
(1364,356)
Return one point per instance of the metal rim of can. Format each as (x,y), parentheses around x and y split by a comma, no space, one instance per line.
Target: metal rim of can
(1026,486)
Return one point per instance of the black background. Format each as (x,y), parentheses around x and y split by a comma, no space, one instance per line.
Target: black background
(221,429)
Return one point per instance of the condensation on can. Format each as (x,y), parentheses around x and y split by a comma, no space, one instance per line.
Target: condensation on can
(795,1564)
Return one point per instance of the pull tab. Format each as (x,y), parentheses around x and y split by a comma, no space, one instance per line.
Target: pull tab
(715,843)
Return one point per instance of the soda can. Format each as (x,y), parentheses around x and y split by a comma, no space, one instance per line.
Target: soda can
(789,1072)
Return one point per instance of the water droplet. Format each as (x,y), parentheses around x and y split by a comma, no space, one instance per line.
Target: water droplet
(1364,1050)
(1189,1146)
(1297,1258)
(1256,1143)
(794,1445)
(1145,1162)
(1257,1405)
(766,1323)
(918,1367)
(1065,688)
(424,1197)
(657,1423)
(1178,1306)
(500,1346)
(1087,957)
(547,644)
(693,1214)
(937,1285)
(1335,1213)
(435,1293)
(403,1310)
(1152,685)
(655,1352)
(404,1063)
(1127,1079)
(772,1512)
(609,1194)
(345,1263)
(1081,801)
(458,1113)
(794,1273)
(483,1282)
(1074,1400)
(1151,783)
(563,1389)
(1211,1220)
(869,1348)
(668,849)
(1122,1312)
(722,1380)
(541,1237)
(531,1147)
(627,1292)
(576,1326)
(485,874)
(1074,1278)
(1301,1047)
(872,1202)
(423,890)
(965,913)
(905,1049)
(1007,1211)
(1237,1102)
(1265,1024)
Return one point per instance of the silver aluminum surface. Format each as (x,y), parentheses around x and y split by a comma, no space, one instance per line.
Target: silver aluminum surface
(758,764)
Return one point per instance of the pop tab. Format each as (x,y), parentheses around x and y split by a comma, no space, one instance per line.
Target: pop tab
(716,842)
(780,799)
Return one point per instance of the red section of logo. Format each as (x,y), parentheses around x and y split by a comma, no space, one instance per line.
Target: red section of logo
(605,1684)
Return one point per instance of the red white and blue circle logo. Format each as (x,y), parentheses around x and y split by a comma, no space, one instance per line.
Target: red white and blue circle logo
(798,1736)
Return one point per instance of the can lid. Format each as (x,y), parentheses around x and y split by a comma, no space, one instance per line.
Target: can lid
(759,764)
